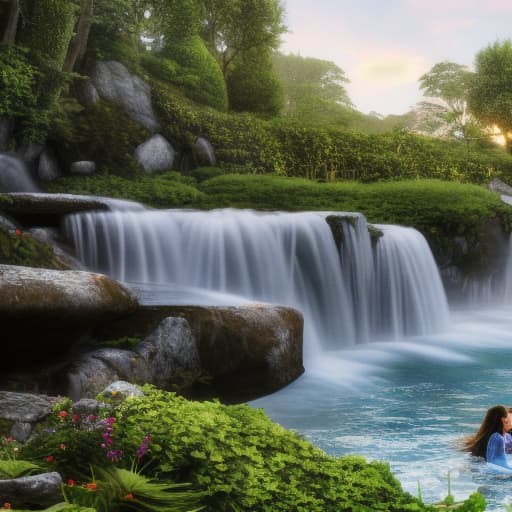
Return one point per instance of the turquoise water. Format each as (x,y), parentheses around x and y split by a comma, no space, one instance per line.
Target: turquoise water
(409,403)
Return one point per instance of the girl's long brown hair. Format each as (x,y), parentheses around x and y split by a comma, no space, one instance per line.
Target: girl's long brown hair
(477,443)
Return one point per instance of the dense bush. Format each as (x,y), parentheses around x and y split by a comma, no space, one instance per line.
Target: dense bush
(103,133)
(166,190)
(243,141)
(246,462)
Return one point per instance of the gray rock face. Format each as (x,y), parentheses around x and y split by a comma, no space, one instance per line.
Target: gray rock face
(41,490)
(24,410)
(115,83)
(156,154)
(205,151)
(124,388)
(87,93)
(83,168)
(48,168)
(247,351)
(496,185)
(24,407)
(169,348)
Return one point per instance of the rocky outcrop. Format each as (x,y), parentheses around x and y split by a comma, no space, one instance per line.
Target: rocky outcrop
(21,411)
(33,209)
(156,154)
(42,490)
(83,168)
(114,82)
(496,185)
(48,168)
(43,312)
(247,351)
(170,348)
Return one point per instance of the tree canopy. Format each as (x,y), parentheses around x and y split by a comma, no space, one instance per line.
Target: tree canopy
(490,98)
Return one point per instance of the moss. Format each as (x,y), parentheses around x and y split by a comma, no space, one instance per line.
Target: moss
(375,233)
(20,248)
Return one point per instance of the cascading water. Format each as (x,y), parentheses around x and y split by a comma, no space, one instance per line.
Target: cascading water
(14,176)
(347,294)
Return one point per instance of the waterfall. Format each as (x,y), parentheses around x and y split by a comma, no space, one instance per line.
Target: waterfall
(357,291)
(14,176)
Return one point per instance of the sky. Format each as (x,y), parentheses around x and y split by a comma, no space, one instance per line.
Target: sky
(384,46)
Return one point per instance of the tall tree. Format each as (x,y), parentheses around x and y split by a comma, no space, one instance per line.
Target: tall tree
(447,86)
(253,85)
(78,45)
(490,97)
(314,89)
(12,9)
(231,27)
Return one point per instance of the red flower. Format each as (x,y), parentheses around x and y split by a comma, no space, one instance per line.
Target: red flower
(7,505)
(129,496)
(75,418)
(93,486)
(71,482)
(18,232)
(50,458)
(63,414)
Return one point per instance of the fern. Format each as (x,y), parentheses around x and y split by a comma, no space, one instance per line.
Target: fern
(13,468)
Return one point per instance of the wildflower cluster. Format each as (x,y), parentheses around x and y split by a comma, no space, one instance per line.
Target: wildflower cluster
(9,448)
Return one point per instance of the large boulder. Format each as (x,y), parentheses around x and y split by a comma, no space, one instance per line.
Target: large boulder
(156,154)
(247,351)
(170,348)
(41,490)
(114,82)
(19,412)
(42,312)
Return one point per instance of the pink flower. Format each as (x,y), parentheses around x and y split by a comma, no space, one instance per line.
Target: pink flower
(63,414)
(111,420)
(62,446)
(75,418)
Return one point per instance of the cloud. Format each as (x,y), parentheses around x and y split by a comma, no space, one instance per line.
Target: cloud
(441,6)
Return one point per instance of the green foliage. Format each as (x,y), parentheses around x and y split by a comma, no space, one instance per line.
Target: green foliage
(17,77)
(20,248)
(103,133)
(313,89)
(231,28)
(62,507)
(199,74)
(166,190)
(47,30)
(491,93)
(115,489)
(246,462)
(253,86)
(14,468)
(243,143)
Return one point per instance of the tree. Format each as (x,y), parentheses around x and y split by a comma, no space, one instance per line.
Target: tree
(490,97)
(11,13)
(78,45)
(253,85)
(232,27)
(447,85)
(313,89)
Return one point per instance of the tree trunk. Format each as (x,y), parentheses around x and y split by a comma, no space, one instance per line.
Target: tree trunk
(9,36)
(78,44)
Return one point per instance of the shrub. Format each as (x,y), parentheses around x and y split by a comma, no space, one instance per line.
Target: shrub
(246,462)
